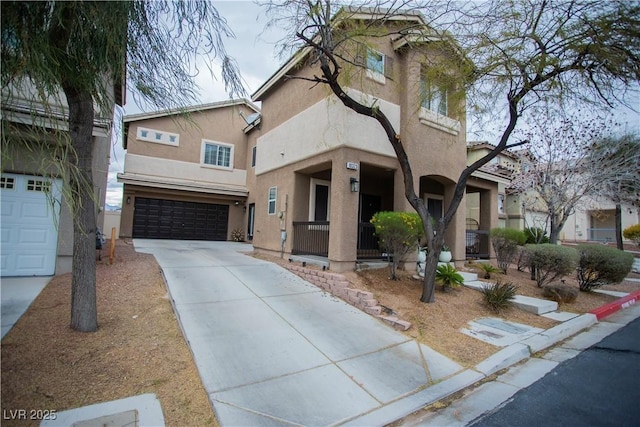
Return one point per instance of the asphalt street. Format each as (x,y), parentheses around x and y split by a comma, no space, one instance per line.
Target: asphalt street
(599,387)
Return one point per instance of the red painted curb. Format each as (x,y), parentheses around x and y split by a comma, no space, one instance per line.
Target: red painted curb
(612,307)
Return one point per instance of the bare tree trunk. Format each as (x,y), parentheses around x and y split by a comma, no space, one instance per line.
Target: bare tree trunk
(553,233)
(84,315)
(619,244)
(429,284)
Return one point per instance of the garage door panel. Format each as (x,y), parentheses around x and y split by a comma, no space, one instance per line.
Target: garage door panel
(174,219)
(34,236)
(28,231)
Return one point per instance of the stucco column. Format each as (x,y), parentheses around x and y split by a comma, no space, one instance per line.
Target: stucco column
(343,218)
(489,213)
(455,235)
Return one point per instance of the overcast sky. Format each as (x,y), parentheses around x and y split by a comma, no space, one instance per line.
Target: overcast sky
(254,51)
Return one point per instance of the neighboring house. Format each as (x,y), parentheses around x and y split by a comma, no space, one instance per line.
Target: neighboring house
(592,220)
(489,204)
(37,226)
(322,170)
(185,172)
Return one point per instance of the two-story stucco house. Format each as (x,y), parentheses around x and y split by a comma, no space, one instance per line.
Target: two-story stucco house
(325,170)
(185,174)
(306,174)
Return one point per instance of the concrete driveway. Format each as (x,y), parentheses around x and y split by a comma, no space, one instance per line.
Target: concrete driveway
(272,349)
(17,294)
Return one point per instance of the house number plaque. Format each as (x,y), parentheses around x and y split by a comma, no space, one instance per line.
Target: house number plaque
(352,166)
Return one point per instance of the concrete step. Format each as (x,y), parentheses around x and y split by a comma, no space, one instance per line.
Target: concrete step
(477,284)
(530,304)
(534,305)
(468,277)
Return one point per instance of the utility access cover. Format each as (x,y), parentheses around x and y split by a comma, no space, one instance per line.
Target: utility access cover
(499,332)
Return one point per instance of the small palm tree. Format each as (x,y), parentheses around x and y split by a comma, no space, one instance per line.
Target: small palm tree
(448,277)
(488,269)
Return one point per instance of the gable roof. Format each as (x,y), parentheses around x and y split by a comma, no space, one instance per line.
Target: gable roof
(192,109)
(353,13)
(252,121)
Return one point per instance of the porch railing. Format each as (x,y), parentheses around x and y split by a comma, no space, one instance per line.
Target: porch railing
(310,238)
(477,244)
(367,241)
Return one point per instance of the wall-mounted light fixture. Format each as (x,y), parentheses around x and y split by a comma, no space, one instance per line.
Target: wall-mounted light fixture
(236,203)
(355,185)
(128,200)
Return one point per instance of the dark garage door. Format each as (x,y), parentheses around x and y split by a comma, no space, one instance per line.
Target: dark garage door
(172,219)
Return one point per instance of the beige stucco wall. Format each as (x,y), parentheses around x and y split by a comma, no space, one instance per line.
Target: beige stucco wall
(320,128)
(219,124)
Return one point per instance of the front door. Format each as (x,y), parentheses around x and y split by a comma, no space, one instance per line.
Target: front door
(367,240)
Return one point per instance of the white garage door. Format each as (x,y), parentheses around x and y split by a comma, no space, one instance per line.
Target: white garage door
(30,207)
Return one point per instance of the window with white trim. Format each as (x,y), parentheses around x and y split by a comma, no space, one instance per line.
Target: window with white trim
(7,183)
(378,66)
(217,154)
(433,97)
(38,185)
(375,61)
(434,105)
(271,202)
(158,136)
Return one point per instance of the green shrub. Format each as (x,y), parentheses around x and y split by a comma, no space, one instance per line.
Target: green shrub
(398,233)
(488,269)
(522,260)
(601,265)
(499,296)
(551,262)
(505,243)
(448,277)
(536,235)
(632,233)
(560,292)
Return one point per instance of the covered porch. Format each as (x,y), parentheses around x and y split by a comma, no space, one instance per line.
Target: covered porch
(332,209)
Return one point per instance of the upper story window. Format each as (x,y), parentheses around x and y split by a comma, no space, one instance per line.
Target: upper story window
(379,66)
(434,103)
(253,156)
(217,154)
(158,136)
(375,61)
(434,97)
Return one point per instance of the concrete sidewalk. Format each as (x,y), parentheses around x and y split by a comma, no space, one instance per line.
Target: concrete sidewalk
(273,349)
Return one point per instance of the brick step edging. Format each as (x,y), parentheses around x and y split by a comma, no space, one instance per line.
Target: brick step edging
(337,285)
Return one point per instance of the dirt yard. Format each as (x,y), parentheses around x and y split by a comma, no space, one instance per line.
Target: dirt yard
(139,347)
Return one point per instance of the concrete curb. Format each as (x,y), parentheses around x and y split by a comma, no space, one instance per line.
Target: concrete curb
(612,307)
(488,396)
